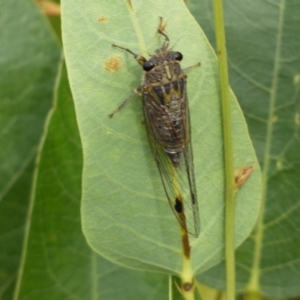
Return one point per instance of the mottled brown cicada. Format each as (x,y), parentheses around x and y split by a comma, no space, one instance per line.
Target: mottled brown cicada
(167,119)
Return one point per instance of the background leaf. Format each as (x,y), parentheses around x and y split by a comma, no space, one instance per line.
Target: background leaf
(263,48)
(125,214)
(28,62)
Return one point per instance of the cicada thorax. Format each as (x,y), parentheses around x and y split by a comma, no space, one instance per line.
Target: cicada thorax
(165,100)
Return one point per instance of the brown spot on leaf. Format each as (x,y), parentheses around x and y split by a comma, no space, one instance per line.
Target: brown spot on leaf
(113,64)
(242,175)
(103,19)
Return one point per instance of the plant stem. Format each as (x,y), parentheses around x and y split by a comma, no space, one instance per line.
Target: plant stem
(228,151)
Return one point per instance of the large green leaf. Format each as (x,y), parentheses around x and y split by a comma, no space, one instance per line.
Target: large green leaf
(29,58)
(126,216)
(263,40)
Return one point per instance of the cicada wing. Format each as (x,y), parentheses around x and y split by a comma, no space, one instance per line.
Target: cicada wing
(186,208)
(186,170)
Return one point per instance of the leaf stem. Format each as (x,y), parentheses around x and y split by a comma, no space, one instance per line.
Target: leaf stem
(228,151)
(187,276)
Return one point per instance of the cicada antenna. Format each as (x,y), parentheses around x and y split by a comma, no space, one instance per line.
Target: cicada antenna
(140,59)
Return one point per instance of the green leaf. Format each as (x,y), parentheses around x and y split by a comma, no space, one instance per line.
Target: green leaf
(14,207)
(263,47)
(125,213)
(28,62)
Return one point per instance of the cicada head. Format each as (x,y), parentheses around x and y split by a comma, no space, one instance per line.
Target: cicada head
(163,67)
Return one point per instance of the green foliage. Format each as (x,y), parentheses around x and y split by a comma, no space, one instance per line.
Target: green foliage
(126,217)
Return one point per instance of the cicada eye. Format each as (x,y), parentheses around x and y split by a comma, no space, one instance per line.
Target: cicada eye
(148,65)
(178,56)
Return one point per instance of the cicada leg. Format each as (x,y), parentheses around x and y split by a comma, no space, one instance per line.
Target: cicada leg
(192,67)
(141,60)
(134,92)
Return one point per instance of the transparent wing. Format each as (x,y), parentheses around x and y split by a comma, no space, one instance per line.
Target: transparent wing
(178,182)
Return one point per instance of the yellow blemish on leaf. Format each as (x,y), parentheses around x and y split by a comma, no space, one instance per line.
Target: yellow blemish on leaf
(241,176)
(113,64)
(103,19)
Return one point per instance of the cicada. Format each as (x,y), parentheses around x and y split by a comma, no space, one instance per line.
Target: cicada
(167,120)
